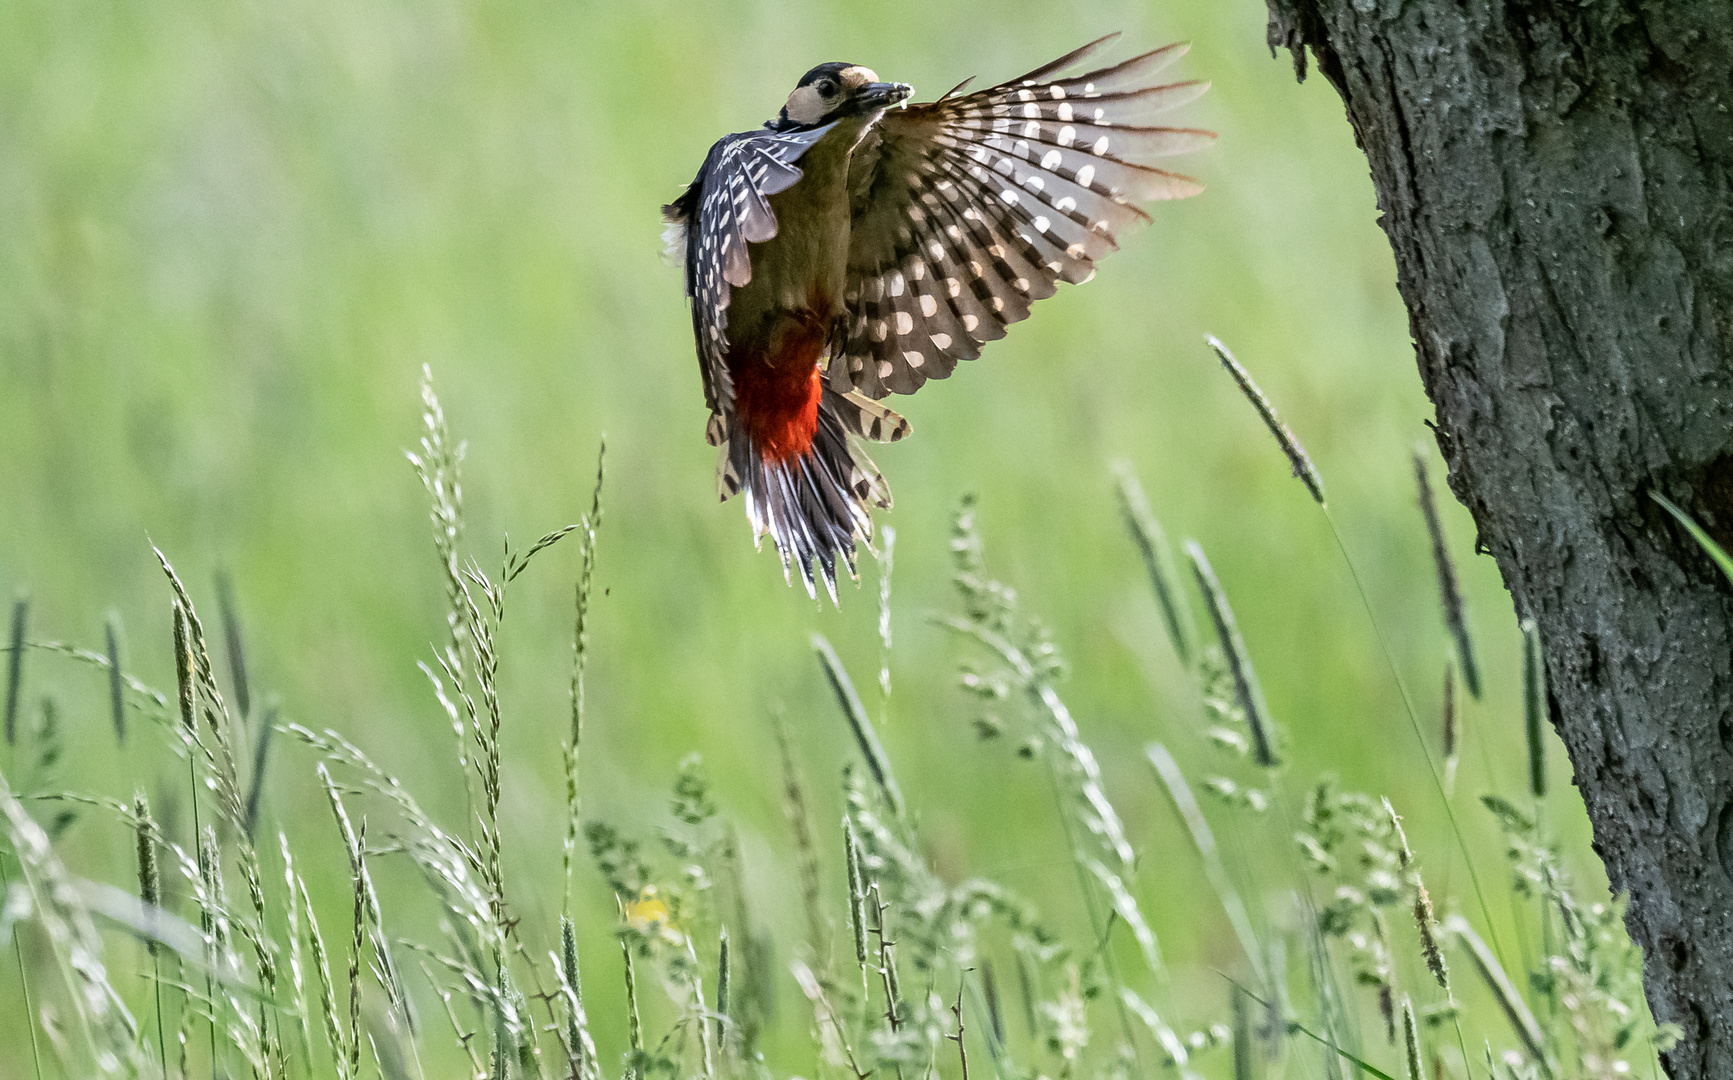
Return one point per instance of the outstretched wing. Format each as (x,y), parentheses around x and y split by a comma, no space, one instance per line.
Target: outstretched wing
(968,209)
(726,207)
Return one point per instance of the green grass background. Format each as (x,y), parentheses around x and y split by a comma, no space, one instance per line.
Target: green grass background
(231,234)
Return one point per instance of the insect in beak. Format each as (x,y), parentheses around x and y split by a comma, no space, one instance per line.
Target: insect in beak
(883,95)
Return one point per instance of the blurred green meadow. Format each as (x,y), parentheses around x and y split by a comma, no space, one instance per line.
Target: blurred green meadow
(232,234)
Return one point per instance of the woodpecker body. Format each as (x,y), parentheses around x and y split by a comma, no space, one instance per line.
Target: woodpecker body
(780,324)
(844,252)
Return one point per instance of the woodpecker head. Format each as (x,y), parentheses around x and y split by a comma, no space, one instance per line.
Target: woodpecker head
(836,91)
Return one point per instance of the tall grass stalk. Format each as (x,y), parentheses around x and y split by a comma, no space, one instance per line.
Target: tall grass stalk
(150,894)
(1413,714)
(189,730)
(723,975)
(1029,662)
(634,1025)
(1448,724)
(794,808)
(1411,1040)
(265,732)
(1158,562)
(580,1047)
(1515,1009)
(15,666)
(1185,804)
(116,680)
(231,802)
(354,846)
(30,1021)
(912,929)
(107,1033)
(854,710)
(233,645)
(357,943)
(1303,468)
(580,661)
(856,899)
(886,560)
(326,985)
(298,1005)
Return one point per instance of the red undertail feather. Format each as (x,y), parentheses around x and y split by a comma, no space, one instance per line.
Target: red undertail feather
(776,398)
(789,446)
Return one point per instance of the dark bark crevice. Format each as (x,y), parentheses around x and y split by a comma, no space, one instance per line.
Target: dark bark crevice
(1556,181)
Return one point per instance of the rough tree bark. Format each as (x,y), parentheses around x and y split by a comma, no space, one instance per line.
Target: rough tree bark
(1556,178)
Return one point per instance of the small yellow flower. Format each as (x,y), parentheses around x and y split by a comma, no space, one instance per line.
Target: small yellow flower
(648,915)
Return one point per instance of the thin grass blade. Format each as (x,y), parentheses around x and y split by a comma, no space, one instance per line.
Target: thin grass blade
(1707,542)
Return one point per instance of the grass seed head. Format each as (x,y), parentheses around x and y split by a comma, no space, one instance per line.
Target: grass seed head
(1304,470)
(15,666)
(1246,688)
(1534,707)
(1411,1040)
(1450,594)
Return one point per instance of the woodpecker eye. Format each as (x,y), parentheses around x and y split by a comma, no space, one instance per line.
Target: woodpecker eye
(826,88)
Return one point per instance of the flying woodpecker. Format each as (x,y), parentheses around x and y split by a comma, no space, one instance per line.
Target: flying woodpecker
(856,246)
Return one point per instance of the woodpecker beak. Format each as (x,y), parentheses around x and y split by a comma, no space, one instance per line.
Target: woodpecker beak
(883,95)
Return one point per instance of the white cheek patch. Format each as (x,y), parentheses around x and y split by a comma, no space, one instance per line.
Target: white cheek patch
(805,106)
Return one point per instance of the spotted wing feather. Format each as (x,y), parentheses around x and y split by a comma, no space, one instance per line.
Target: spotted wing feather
(725,208)
(968,209)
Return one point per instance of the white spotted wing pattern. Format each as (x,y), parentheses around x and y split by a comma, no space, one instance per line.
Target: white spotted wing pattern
(967,210)
(726,207)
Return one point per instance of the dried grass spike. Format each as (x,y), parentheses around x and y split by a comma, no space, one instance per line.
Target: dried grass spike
(1244,1044)
(1516,1010)
(1302,464)
(1158,560)
(1534,707)
(233,644)
(800,821)
(184,673)
(1449,723)
(723,989)
(854,710)
(1246,688)
(116,680)
(327,988)
(15,666)
(357,944)
(856,891)
(149,875)
(1403,851)
(1411,1040)
(1450,595)
(634,1025)
(1427,922)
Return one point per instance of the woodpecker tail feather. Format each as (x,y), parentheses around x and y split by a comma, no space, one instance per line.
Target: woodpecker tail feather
(815,504)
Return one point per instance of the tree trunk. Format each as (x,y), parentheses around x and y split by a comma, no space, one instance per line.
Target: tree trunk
(1556,178)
